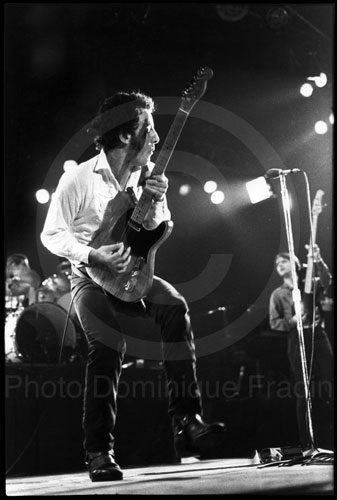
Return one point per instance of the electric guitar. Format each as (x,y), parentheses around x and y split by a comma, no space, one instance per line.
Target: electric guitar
(134,284)
(309,281)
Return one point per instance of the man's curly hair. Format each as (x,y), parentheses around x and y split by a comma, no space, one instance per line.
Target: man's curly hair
(118,115)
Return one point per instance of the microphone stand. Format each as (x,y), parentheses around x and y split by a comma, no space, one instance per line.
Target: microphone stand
(313,455)
(296,293)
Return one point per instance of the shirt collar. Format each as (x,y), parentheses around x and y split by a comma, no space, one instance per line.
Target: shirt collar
(102,166)
(102,163)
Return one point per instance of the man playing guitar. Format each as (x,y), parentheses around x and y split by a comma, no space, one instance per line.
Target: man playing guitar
(90,199)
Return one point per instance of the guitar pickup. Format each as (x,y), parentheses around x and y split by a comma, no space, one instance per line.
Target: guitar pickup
(134,225)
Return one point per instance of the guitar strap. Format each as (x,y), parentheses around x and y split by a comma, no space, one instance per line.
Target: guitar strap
(132,195)
(141,182)
(143,175)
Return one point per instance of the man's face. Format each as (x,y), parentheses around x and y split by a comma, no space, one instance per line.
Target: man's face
(283,267)
(145,138)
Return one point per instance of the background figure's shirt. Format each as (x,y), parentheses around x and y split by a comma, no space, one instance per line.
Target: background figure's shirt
(79,203)
(282,309)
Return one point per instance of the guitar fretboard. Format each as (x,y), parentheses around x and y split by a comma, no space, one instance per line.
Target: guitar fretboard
(310,262)
(316,209)
(145,201)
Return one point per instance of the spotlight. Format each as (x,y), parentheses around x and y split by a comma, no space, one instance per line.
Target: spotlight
(258,190)
(42,196)
(321,127)
(217,197)
(210,186)
(277,17)
(320,81)
(69,164)
(184,189)
(232,12)
(331,118)
(306,90)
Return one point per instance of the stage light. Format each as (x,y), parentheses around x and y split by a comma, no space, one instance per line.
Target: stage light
(210,186)
(331,118)
(184,189)
(232,12)
(258,190)
(320,81)
(42,196)
(69,164)
(217,197)
(321,127)
(277,17)
(306,90)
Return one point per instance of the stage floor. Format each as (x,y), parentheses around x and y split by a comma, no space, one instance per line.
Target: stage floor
(191,477)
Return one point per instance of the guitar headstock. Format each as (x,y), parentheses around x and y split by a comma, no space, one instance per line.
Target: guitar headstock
(317,203)
(196,89)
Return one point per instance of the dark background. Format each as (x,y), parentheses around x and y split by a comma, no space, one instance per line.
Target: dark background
(62,60)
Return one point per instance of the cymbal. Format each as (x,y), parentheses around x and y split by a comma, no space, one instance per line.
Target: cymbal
(15,287)
(18,280)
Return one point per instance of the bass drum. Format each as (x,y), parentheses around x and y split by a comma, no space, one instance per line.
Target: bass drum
(39,333)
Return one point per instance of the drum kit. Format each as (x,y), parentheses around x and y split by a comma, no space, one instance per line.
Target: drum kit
(36,316)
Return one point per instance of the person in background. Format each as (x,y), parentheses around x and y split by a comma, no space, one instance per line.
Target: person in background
(21,280)
(87,196)
(319,356)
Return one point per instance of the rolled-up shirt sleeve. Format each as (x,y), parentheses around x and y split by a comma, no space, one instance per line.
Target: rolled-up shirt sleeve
(157,213)
(58,234)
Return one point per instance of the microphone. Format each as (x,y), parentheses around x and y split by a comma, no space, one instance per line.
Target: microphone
(275,173)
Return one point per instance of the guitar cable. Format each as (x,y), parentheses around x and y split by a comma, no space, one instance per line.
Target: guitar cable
(66,327)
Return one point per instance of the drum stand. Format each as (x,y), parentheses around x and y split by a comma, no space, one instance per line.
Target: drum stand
(11,354)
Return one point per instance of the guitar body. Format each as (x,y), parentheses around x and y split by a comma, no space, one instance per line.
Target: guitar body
(134,284)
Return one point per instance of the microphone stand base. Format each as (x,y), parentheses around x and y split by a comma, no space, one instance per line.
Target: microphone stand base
(288,456)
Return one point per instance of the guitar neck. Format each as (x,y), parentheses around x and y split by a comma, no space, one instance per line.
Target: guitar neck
(310,262)
(170,143)
(145,201)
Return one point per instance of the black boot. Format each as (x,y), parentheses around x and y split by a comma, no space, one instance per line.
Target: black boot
(102,466)
(193,437)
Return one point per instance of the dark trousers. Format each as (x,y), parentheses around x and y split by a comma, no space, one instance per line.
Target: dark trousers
(321,390)
(98,313)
